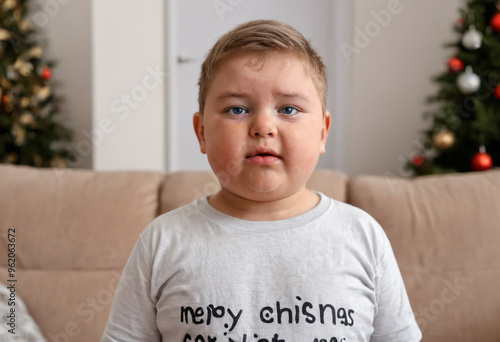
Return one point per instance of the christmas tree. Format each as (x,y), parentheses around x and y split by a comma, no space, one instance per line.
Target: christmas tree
(465,131)
(29,131)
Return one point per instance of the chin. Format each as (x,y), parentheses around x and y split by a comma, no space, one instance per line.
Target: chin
(270,193)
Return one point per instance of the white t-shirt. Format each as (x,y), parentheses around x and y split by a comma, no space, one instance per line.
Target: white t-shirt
(197,274)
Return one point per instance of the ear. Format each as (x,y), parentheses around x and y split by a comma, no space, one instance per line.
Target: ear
(324,132)
(199,129)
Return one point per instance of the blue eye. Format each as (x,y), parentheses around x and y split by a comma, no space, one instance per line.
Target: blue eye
(288,110)
(236,110)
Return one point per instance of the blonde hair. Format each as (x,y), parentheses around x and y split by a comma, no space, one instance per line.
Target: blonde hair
(262,36)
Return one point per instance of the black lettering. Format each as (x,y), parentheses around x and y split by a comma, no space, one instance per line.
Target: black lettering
(217,312)
(276,338)
(266,317)
(322,309)
(235,318)
(297,311)
(342,316)
(186,311)
(349,313)
(199,313)
(310,317)
(280,313)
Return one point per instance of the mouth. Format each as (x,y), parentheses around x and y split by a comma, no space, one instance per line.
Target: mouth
(263,157)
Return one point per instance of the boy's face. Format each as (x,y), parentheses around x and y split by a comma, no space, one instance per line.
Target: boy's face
(263,128)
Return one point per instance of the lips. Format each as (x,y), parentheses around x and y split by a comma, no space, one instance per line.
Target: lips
(263,156)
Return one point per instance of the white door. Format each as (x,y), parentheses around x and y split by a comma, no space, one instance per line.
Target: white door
(199,23)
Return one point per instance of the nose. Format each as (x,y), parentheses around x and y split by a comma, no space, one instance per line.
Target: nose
(263,125)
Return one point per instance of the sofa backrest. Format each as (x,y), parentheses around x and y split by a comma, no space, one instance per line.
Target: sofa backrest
(445,232)
(74,231)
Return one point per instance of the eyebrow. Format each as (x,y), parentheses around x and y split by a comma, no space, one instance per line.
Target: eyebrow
(279,94)
(231,94)
(293,95)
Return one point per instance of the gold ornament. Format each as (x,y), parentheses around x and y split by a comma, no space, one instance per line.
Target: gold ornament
(27,120)
(35,52)
(25,25)
(5,83)
(19,134)
(11,158)
(24,102)
(4,34)
(37,160)
(444,139)
(58,162)
(43,93)
(23,67)
(9,4)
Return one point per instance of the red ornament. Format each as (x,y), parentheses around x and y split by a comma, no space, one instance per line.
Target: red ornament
(461,21)
(46,74)
(5,99)
(455,64)
(495,22)
(496,93)
(418,160)
(481,161)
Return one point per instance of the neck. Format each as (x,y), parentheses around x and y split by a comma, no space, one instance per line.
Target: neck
(272,210)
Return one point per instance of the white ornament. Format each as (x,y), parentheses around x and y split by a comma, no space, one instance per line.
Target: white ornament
(472,39)
(468,82)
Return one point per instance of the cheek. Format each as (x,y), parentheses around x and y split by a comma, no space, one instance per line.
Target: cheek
(223,152)
(307,141)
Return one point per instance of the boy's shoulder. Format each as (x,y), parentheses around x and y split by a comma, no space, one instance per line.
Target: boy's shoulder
(350,212)
(179,218)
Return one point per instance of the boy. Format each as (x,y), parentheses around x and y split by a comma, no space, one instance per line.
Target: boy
(238,265)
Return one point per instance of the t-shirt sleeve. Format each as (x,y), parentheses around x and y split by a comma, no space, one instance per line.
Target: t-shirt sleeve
(133,313)
(394,319)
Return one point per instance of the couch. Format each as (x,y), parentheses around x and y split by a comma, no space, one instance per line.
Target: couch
(74,230)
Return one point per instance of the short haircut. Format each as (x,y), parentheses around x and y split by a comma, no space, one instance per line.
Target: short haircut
(262,36)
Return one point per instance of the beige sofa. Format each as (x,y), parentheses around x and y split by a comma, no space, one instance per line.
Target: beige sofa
(74,230)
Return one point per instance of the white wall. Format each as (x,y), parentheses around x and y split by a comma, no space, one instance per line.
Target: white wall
(65,28)
(128,85)
(391,78)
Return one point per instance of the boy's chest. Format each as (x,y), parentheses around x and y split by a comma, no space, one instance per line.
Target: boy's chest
(258,295)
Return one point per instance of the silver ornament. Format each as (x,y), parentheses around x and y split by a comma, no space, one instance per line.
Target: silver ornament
(472,39)
(468,82)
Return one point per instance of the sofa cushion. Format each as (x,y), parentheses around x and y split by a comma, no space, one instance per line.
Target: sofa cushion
(68,305)
(75,219)
(445,232)
(181,188)
(74,231)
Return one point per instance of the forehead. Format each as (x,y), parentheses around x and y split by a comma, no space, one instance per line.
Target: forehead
(256,61)
(246,71)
